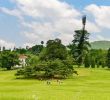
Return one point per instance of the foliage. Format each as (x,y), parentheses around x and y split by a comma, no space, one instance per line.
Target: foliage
(54,50)
(21,50)
(9,59)
(87,61)
(43,55)
(0,59)
(32,60)
(48,69)
(93,62)
(80,46)
(36,49)
(59,69)
(99,57)
(108,58)
(42,42)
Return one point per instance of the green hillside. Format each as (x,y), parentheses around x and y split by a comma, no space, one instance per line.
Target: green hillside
(100,44)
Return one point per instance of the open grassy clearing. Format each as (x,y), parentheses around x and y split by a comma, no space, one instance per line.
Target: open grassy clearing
(90,84)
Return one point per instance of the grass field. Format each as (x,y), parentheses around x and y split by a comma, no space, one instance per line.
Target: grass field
(90,84)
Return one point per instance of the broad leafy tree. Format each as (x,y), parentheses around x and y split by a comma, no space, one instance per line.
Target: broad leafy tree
(9,59)
(54,50)
(36,49)
(20,50)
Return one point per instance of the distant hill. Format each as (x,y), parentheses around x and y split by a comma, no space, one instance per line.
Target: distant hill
(100,45)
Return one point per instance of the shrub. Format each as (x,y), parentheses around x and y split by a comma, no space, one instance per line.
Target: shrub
(51,69)
(58,69)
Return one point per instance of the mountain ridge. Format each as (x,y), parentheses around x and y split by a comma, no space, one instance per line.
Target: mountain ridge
(104,44)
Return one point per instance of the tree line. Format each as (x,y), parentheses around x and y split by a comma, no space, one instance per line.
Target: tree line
(55,60)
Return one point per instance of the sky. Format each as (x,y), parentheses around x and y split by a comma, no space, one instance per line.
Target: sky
(27,22)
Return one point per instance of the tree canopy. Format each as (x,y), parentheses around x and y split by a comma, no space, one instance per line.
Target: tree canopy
(9,59)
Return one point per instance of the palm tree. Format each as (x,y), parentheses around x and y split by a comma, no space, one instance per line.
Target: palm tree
(42,42)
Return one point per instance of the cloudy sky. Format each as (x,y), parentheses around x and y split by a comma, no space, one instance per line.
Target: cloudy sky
(27,22)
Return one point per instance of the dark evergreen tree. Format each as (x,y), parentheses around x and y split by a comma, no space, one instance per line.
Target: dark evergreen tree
(0,49)
(92,62)
(87,61)
(108,58)
(98,65)
(81,44)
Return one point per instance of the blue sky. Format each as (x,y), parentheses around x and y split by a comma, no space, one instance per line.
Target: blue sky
(27,22)
(83,3)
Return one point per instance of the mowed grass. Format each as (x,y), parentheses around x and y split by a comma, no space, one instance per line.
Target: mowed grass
(90,84)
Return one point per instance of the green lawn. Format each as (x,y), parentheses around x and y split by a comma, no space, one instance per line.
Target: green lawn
(91,84)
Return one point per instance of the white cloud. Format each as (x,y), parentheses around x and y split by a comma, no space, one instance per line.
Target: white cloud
(100,37)
(46,8)
(6,44)
(101,14)
(92,27)
(28,44)
(30,36)
(66,38)
(13,12)
(48,19)
(55,17)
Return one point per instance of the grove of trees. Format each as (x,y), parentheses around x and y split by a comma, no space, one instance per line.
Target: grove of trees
(55,60)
